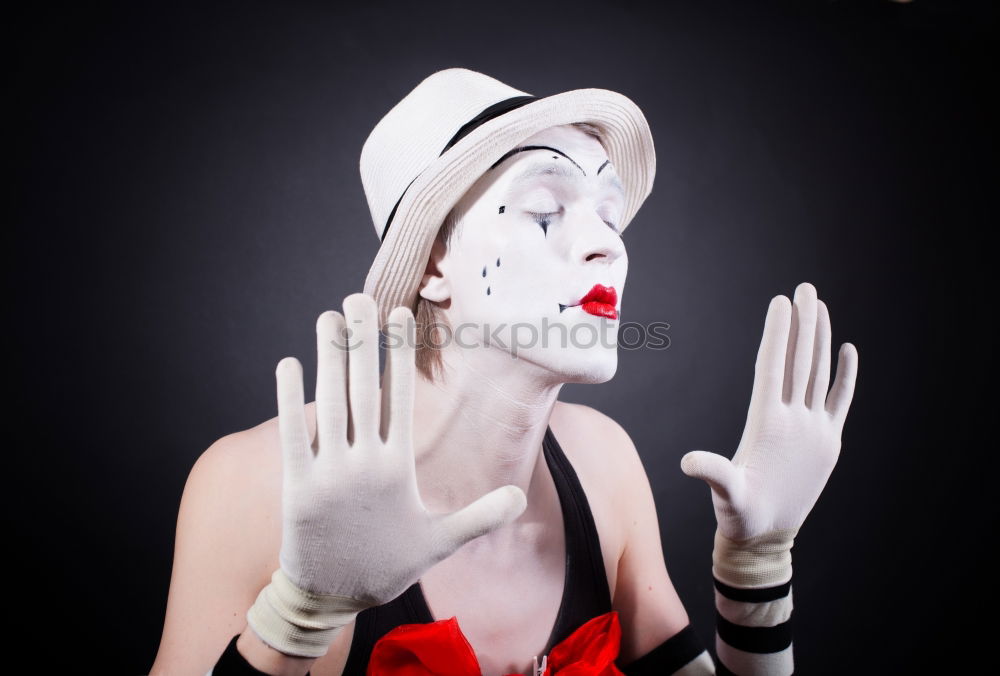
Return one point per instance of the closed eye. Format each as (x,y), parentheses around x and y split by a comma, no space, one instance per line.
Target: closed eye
(542,215)
(544,219)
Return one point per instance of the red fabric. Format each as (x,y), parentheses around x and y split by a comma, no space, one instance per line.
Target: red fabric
(441,649)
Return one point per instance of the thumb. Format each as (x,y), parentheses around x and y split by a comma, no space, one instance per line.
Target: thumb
(493,510)
(713,468)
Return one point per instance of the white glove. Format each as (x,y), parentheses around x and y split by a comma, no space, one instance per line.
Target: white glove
(791,441)
(356,533)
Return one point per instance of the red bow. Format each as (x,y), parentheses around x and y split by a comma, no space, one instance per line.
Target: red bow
(440,649)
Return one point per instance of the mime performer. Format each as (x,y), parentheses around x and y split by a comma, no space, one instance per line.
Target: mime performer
(454,517)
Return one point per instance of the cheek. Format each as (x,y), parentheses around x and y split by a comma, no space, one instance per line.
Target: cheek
(519,277)
(512,269)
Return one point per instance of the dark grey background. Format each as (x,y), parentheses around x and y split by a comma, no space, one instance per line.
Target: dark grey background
(187,201)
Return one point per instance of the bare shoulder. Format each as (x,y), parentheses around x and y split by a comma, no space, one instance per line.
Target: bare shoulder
(219,561)
(596,442)
(227,541)
(244,469)
(589,418)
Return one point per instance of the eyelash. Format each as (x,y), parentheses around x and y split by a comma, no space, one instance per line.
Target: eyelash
(540,216)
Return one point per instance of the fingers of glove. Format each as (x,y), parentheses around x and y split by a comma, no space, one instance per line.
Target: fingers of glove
(361,315)
(331,382)
(295,447)
(842,393)
(819,381)
(799,362)
(490,512)
(770,369)
(712,468)
(398,381)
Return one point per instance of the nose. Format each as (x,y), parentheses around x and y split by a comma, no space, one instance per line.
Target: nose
(595,241)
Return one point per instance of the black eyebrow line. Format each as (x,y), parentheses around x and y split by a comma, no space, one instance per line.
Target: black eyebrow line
(523,148)
(606,163)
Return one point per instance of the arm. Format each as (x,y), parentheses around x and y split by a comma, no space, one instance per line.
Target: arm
(219,558)
(753,603)
(657,636)
(762,496)
(345,510)
(753,597)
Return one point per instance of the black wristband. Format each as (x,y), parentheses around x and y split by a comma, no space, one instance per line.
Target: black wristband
(232,663)
(756,595)
(669,656)
(754,639)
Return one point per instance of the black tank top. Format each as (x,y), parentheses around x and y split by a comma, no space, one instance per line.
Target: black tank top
(585,594)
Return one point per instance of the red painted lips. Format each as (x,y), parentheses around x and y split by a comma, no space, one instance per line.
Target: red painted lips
(601,301)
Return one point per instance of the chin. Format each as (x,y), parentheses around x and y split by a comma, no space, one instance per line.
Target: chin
(581,366)
(600,374)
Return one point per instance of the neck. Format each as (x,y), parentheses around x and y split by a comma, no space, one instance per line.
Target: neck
(481,427)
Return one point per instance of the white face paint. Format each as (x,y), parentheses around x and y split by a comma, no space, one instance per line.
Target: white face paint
(528,249)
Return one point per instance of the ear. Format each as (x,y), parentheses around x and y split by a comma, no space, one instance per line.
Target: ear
(435,285)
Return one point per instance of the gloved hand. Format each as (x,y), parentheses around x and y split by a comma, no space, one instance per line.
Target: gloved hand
(791,441)
(356,533)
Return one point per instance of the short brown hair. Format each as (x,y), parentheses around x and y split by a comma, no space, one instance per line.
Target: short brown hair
(428,315)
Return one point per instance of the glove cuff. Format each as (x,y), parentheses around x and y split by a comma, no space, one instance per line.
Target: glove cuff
(296,622)
(760,561)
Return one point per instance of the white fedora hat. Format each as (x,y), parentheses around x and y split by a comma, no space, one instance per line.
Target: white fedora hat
(422,157)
